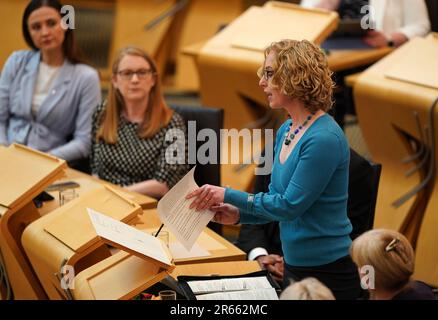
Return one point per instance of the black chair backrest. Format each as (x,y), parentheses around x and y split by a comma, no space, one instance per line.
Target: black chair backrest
(364,177)
(377,170)
(205,118)
(432,8)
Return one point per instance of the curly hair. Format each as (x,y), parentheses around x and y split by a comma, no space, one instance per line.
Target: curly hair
(302,72)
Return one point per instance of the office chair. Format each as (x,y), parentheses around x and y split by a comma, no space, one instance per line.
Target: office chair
(205,118)
(363,186)
(432,8)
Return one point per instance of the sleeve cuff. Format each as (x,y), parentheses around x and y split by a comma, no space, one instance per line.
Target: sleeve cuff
(257,252)
(237,198)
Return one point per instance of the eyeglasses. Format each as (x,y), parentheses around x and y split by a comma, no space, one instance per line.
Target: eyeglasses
(141,74)
(266,74)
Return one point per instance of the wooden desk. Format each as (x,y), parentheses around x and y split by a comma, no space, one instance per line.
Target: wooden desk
(122,276)
(47,253)
(88,183)
(340,60)
(387,109)
(24,173)
(220,249)
(66,236)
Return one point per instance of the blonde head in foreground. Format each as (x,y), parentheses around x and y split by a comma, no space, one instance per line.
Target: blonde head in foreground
(307,289)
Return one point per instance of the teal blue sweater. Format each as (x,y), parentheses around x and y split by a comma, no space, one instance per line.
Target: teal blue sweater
(308,195)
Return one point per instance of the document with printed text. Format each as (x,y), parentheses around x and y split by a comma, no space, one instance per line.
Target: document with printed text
(129,237)
(245,288)
(184,223)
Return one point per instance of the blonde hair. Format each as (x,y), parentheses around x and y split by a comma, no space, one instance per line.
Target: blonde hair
(307,289)
(157,114)
(302,72)
(389,253)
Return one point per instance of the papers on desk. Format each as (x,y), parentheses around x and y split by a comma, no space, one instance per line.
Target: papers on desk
(185,224)
(179,252)
(127,237)
(263,294)
(245,288)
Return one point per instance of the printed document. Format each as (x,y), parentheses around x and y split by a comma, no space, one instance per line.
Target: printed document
(184,223)
(129,237)
(245,288)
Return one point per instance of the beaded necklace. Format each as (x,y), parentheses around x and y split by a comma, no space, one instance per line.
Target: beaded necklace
(289,137)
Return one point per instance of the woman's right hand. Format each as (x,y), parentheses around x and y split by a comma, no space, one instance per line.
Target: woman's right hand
(225,213)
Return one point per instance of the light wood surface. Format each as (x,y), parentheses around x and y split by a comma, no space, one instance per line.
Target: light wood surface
(24,174)
(66,236)
(88,183)
(220,249)
(75,214)
(423,71)
(17,167)
(202,21)
(386,112)
(119,277)
(340,60)
(103,280)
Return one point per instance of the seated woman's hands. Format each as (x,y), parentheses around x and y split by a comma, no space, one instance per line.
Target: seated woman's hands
(206,196)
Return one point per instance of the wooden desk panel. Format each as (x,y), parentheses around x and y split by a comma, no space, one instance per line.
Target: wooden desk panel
(138,275)
(340,60)
(226,251)
(387,110)
(88,183)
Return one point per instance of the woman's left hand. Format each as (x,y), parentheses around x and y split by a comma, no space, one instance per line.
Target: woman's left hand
(206,196)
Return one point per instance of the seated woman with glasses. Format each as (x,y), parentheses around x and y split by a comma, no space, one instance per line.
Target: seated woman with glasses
(308,191)
(129,143)
(386,259)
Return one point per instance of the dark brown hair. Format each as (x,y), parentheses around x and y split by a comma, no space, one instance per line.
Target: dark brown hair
(70,48)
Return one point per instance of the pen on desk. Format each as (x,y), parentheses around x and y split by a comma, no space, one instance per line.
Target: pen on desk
(159,229)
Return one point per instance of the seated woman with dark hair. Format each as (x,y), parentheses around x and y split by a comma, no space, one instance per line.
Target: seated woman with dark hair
(129,145)
(47,94)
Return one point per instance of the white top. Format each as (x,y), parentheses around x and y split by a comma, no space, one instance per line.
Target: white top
(44,81)
(409,17)
(324,3)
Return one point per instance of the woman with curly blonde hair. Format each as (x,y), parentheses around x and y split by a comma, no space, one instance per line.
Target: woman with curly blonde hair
(386,259)
(309,186)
